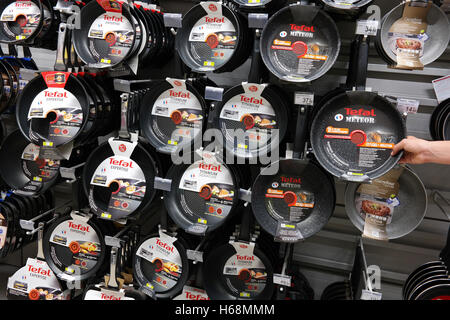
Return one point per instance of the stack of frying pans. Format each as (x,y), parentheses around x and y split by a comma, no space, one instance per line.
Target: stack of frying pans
(440,121)
(13,208)
(430,281)
(29,22)
(113,32)
(436,37)
(338,291)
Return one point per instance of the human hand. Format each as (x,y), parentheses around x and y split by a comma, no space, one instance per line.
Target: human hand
(416,151)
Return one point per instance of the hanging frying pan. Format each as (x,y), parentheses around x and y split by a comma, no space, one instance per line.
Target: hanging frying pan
(140,32)
(238,270)
(406,217)
(22,169)
(53,109)
(435,289)
(260,111)
(300,43)
(420,269)
(74,245)
(346,7)
(172,115)
(259,5)
(426,275)
(446,126)
(20,20)
(434,40)
(7,227)
(435,123)
(203,194)
(2,131)
(6,83)
(14,84)
(213,38)
(161,261)
(107,35)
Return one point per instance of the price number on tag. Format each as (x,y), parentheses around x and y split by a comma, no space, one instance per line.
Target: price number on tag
(370,295)
(304,99)
(282,280)
(407,105)
(367,27)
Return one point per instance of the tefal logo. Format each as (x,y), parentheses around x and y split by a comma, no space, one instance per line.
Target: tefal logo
(210,167)
(112,18)
(55,94)
(305,28)
(41,271)
(23,4)
(106,297)
(215,20)
(78,227)
(291,180)
(360,112)
(121,163)
(251,100)
(179,94)
(243,246)
(212,7)
(191,296)
(245,258)
(164,245)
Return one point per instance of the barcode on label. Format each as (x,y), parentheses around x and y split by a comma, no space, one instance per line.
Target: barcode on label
(229,270)
(190,184)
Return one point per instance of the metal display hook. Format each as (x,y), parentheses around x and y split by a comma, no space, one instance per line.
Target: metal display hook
(29,225)
(436,194)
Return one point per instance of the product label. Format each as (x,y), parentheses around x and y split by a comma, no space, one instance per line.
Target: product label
(207,192)
(38,169)
(20,20)
(213,39)
(191,293)
(62,113)
(3,231)
(251,113)
(245,274)
(35,281)
(110,296)
(75,247)
(111,37)
(118,187)
(177,116)
(166,265)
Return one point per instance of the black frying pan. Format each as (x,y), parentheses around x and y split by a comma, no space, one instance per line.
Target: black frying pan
(99,46)
(346,7)
(259,5)
(300,43)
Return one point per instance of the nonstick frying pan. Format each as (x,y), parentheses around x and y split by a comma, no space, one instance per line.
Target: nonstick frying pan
(437,33)
(53,108)
(213,38)
(347,7)
(259,5)
(107,34)
(406,217)
(22,169)
(300,43)
(435,123)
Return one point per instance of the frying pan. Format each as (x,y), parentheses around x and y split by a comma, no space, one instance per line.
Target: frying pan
(65,247)
(14,84)
(417,270)
(200,47)
(227,270)
(435,124)
(299,199)
(150,258)
(25,176)
(261,5)
(246,107)
(437,31)
(8,222)
(16,16)
(426,290)
(204,194)
(105,50)
(426,275)
(446,126)
(162,115)
(49,89)
(406,217)
(300,43)
(353,134)
(346,7)
(3,131)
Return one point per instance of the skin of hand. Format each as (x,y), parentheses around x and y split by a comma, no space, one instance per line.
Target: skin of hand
(418,151)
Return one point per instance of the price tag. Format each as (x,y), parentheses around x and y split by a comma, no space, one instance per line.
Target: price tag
(198,229)
(195,255)
(304,99)
(367,27)
(288,233)
(407,105)
(370,295)
(442,88)
(282,280)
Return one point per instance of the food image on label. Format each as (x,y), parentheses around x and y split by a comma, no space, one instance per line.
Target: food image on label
(206,192)
(111,37)
(74,247)
(255,116)
(212,41)
(38,169)
(117,189)
(20,20)
(289,199)
(177,117)
(299,51)
(3,231)
(57,115)
(159,263)
(245,275)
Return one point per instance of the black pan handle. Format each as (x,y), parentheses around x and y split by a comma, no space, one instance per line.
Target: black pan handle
(351,73)
(445,253)
(301,130)
(362,63)
(26,52)
(244,232)
(257,66)
(12,51)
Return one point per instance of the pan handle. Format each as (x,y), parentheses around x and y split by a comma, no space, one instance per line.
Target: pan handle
(301,131)
(59,63)
(438,194)
(362,63)
(256,68)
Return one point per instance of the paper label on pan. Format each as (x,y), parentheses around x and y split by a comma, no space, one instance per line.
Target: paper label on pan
(212,8)
(442,88)
(245,273)
(201,173)
(163,254)
(35,281)
(3,231)
(36,168)
(27,15)
(77,240)
(99,295)
(191,293)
